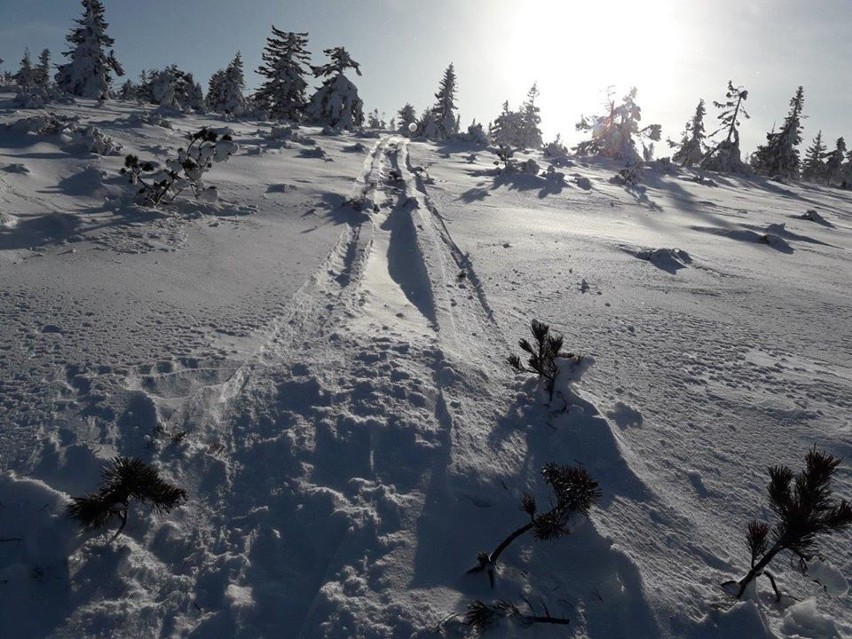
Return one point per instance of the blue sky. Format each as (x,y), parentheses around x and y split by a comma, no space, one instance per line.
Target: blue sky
(675,51)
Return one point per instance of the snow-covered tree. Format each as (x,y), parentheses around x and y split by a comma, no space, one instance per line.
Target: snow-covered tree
(42,70)
(814,168)
(615,132)
(128,90)
(375,121)
(88,71)
(406,116)
(507,129)
(26,75)
(531,119)
(286,63)
(225,90)
(336,102)
(691,148)
(846,172)
(172,87)
(779,156)
(427,126)
(834,163)
(444,110)
(725,156)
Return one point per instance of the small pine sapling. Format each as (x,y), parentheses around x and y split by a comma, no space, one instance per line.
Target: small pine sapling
(123,479)
(505,155)
(575,491)
(805,510)
(481,615)
(186,171)
(543,354)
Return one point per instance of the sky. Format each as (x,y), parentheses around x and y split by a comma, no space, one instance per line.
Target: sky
(674,51)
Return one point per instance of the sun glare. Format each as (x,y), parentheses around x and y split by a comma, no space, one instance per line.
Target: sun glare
(575,50)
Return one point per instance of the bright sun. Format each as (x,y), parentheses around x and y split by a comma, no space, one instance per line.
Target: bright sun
(575,50)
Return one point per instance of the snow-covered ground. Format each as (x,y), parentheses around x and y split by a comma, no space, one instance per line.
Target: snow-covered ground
(319,359)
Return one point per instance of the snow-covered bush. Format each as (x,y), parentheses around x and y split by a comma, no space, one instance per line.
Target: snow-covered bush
(543,355)
(37,97)
(157,186)
(804,509)
(476,134)
(505,156)
(575,493)
(173,88)
(336,102)
(46,124)
(124,479)
(629,177)
(95,141)
(555,149)
(88,71)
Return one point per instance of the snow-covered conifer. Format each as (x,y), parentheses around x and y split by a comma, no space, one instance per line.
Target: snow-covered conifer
(834,163)
(128,90)
(427,126)
(530,120)
(444,111)
(614,133)
(286,63)
(225,90)
(406,116)
(375,121)
(779,156)
(42,70)
(172,87)
(88,71)
(691,148)
(814,167)
(26,75)
(336,102)
(725,156)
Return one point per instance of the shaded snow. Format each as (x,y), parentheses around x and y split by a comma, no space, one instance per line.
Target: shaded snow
(318,358)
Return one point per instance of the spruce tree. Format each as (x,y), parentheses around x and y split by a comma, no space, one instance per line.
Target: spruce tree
(225,89)
(725,156)
(444,110)
(691,149)
(834,163)
(530,121)
(336,102)
(779,157)
(26,75)
(814,168)
(42,71)
(286,63)
(846,172)
(88,71)
(406,116)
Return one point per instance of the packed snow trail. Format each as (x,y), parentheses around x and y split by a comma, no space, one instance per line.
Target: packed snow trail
(372,399)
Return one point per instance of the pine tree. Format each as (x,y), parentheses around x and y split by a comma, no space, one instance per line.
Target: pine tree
(375,121)
(530,121)
(814,168)
(725,156)
(336,102)
(834,163)
(691,149)
(225,89)
(779,156)
(286,63)
(174,88)
(614,132)
(427,126)
(406,116)
(42,71)
(87,73)
(444,110)
(804,510)
(26,75)
(128,90)
(846,172)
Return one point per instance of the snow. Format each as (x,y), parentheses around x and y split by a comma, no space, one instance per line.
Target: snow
(318,356)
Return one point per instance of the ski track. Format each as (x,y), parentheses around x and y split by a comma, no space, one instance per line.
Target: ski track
(320,451)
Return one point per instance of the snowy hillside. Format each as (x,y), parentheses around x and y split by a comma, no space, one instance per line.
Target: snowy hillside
(319,360)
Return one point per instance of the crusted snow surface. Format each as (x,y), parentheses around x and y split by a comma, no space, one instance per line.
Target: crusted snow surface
(319,359)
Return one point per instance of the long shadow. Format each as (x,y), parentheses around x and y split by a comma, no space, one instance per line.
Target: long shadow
(38,231)
(750,237)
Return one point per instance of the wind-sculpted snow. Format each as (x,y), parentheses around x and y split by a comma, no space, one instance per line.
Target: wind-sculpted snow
(319,360)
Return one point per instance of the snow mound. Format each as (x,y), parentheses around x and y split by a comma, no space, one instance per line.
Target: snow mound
(813,216)
(828,577)
(804,620)
(670,260)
